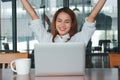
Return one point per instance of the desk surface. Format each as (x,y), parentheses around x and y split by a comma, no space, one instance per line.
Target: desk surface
(91,74)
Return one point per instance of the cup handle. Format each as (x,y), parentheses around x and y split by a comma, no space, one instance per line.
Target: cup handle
(11,65)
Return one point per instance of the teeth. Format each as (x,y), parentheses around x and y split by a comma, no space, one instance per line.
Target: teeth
(62,29)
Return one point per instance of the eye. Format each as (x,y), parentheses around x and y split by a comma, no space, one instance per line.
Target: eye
(58,20)
(68,21)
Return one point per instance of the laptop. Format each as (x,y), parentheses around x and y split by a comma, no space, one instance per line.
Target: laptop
(53,59)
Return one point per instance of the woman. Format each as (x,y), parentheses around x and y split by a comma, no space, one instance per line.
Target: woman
(64,25)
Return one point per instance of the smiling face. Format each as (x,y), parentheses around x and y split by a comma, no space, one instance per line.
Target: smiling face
(63,23)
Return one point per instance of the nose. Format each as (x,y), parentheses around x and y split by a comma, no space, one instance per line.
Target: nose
(62,24)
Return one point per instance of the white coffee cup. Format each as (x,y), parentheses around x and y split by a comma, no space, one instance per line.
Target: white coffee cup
(22,66)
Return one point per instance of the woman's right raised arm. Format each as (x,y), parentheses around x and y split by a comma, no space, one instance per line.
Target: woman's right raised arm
(30,9)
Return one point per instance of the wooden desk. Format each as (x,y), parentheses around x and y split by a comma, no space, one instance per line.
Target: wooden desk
(91,74)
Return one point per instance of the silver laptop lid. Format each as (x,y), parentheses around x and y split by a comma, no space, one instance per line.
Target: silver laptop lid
(59,59)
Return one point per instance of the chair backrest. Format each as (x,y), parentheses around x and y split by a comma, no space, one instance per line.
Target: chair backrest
(6,58)
(114,60)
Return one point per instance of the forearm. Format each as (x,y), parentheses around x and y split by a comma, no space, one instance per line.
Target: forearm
(96,10)
(29,9)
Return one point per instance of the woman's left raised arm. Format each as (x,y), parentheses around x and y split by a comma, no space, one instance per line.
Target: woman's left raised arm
(99,5)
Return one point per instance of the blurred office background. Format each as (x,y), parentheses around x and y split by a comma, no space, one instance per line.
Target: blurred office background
(15,34)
